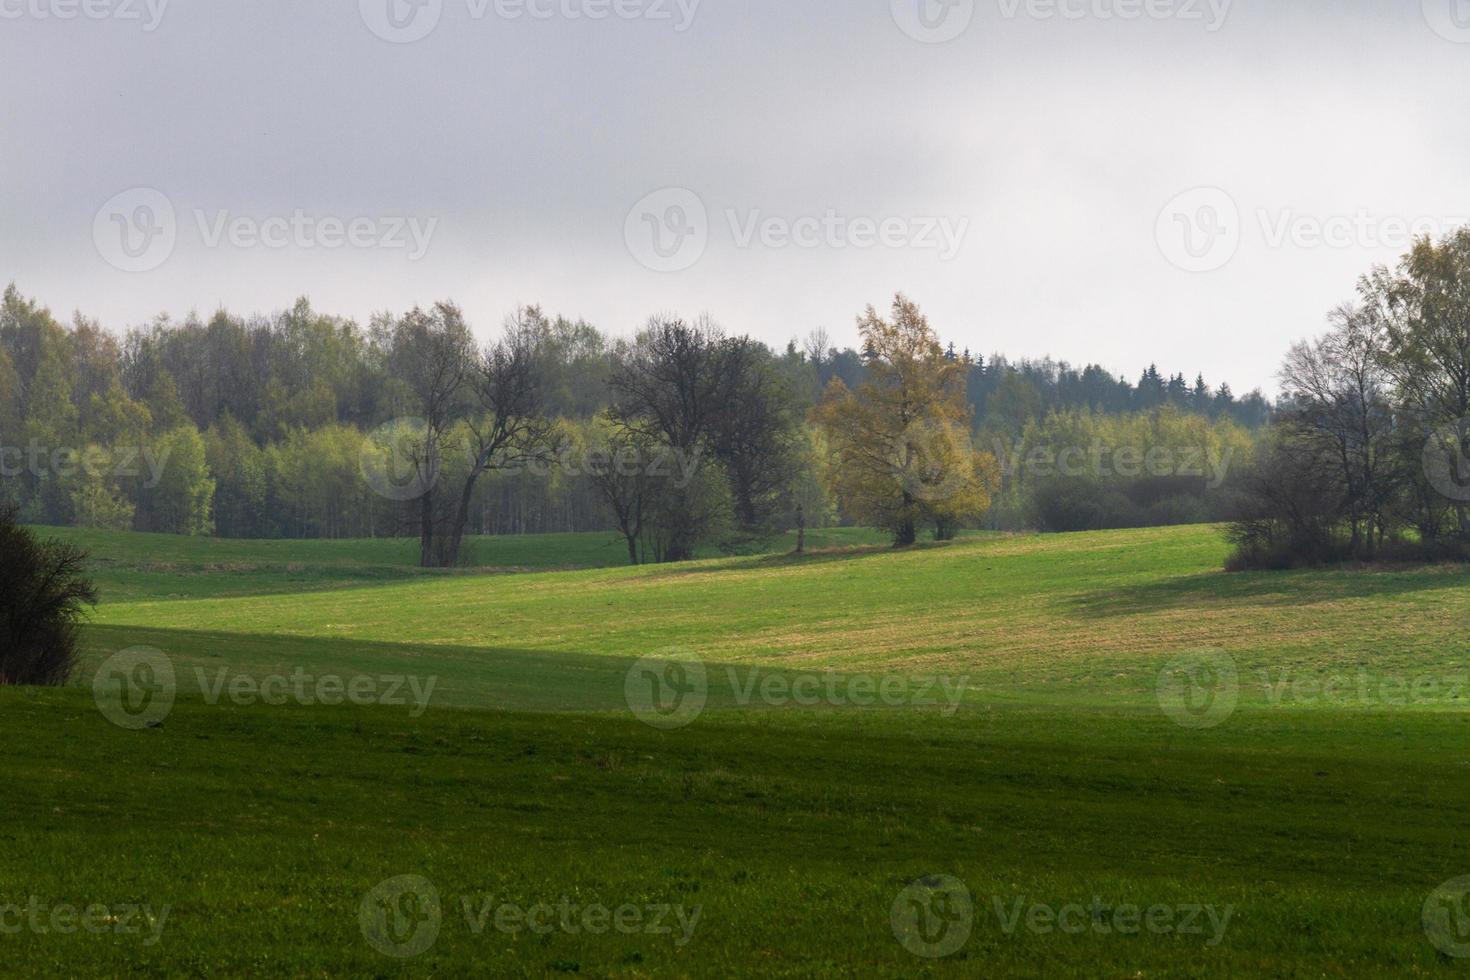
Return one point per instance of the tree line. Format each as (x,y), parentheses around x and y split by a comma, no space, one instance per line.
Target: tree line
(676,438)
(1370,456)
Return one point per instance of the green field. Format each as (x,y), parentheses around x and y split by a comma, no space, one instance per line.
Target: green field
(165,566)
(1298,835)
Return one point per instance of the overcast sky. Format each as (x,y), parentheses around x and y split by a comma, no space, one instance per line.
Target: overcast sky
(1016,166)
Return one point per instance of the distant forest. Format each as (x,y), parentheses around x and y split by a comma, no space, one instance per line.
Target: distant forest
(255,426)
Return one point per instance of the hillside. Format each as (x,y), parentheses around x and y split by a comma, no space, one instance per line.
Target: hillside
(1304,831)
(1086,618)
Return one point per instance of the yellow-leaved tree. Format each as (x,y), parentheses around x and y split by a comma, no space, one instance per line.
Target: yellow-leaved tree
(901,443)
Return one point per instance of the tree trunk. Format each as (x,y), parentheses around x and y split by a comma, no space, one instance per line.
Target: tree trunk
(461,519)
(426,530)
(746,509)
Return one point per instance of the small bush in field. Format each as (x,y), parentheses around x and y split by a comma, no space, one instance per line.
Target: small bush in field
(42,592)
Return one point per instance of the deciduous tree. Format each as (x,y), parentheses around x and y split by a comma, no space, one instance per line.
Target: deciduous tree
(902,440)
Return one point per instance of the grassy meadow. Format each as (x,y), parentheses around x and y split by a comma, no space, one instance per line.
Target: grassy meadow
(167,566)
(1293,822)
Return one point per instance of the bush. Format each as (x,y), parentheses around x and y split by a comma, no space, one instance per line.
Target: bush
(1061,505)
(42,592)
(1286,512)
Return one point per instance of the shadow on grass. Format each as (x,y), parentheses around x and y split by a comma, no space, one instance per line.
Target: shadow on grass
(172,581)
(1295,588)
(508,679)
(813,556)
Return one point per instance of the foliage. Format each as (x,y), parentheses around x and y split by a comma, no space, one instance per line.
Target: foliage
(42,594)
(902,445)
(181,500)
(266,391)
(97,501)
(714,425)
(1372,456)
(1086,471)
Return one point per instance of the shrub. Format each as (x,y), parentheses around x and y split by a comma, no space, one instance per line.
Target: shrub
(1286,511)
(1061,504)
(42,592)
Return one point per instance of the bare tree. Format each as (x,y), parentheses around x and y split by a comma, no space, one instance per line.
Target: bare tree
(433,353)
(1337,387)
(818,349)
(688,389)
(1285,512)
(1425,306)
(754,432)
(667,391)
(620,468)
(666,384)
(507,425)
